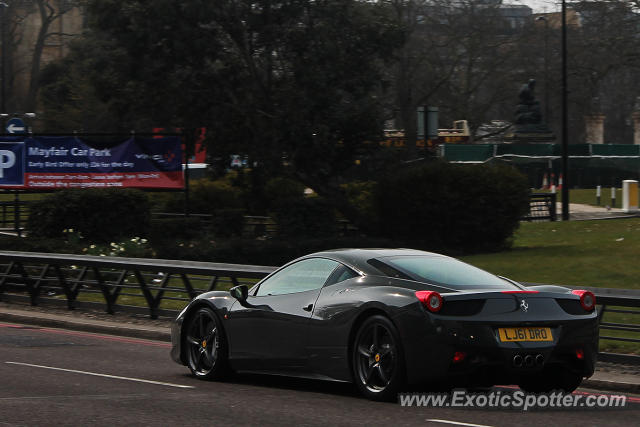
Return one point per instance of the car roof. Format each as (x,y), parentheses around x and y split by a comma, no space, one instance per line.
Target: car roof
(358,258)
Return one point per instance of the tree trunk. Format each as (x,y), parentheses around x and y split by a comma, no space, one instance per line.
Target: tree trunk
(47,16)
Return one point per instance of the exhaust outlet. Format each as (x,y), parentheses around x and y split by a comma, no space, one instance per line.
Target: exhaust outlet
(517,361)
(529,360)
(539,359)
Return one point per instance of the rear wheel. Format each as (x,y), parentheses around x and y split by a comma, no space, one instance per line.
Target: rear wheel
(205,345)
(378,364)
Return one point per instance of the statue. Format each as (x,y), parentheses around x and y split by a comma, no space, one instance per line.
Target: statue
(528,112)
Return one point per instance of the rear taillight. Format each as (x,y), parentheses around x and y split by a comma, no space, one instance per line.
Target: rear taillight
(587,299)
(431,300)
(459,356)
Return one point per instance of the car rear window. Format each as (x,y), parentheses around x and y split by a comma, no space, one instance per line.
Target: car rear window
(440,270)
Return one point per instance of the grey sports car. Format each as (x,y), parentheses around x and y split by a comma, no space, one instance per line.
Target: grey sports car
(385,318)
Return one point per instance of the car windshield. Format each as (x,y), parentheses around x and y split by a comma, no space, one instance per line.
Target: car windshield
(445,271)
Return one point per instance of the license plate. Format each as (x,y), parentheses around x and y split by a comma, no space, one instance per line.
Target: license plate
(525,334)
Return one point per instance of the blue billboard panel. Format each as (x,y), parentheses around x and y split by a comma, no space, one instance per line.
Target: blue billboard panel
(11,164)
(68,162)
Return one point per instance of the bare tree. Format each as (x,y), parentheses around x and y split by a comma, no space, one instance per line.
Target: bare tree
(458,56)
(49,12)
(30,27)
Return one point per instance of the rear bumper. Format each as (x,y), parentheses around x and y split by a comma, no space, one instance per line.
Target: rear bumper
(429,351)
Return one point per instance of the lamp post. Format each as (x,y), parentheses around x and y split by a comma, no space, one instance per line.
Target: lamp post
(3,105)
(565,115)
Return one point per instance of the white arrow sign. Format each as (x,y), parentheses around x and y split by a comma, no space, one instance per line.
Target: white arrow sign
(12,128)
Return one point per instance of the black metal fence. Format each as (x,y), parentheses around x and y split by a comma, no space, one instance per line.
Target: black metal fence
(163,286)
(542,207)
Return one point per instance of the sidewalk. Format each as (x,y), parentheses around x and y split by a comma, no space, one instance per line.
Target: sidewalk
(608,377)
(586,212)
(97,322)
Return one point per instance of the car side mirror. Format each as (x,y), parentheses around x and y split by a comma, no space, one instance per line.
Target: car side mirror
(240,293)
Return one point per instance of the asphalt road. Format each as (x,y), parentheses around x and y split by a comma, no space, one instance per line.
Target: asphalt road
(58,377)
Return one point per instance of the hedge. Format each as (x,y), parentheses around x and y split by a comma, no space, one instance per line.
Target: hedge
(239,251)
(100,215)
(446,207)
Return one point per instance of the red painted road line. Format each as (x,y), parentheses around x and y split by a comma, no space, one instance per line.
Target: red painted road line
(95,336)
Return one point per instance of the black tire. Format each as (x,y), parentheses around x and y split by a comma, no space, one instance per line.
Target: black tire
(551,380)
(205,345)
(378,360)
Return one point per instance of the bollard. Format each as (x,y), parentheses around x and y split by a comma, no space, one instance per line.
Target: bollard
(613,197)
(598,192)
(630,195)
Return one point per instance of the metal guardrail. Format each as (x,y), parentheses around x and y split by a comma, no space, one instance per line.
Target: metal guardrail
(83,278)
(542,207)
(611,297)
(101,281)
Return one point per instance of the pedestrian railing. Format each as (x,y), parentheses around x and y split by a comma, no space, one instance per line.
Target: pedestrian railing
(164,286)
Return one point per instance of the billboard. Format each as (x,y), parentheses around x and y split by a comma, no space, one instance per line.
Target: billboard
(12,163)
(48,163)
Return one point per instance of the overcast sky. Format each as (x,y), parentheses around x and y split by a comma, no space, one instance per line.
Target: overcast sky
(538,6)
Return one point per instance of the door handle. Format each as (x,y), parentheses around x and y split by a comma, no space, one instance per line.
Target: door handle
(308,308)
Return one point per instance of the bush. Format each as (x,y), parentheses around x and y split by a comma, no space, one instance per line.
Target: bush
(283,190)
(261,252)
(172,229)
(99,215)
(205,197)
(296,214)
(227,222)
(308,217)
(445,207)
(361,196)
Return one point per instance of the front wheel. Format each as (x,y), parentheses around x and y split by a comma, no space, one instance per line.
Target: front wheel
(378,364)
(205,346)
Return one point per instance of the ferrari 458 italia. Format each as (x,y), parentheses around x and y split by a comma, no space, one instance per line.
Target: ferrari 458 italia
(387,318)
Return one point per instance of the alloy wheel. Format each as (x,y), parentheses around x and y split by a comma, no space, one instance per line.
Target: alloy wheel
(203,343)
(376,357)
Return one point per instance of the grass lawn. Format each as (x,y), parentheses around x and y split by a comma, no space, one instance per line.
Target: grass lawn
(600,253)
(6,196)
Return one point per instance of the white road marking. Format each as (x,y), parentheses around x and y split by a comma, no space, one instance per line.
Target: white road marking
(75,396)
(115,377)
(457,423)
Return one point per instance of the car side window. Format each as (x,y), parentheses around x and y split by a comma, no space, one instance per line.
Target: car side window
(341,274)
(302,276)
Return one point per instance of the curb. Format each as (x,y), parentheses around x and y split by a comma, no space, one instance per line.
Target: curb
(611,386)
(156,334)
